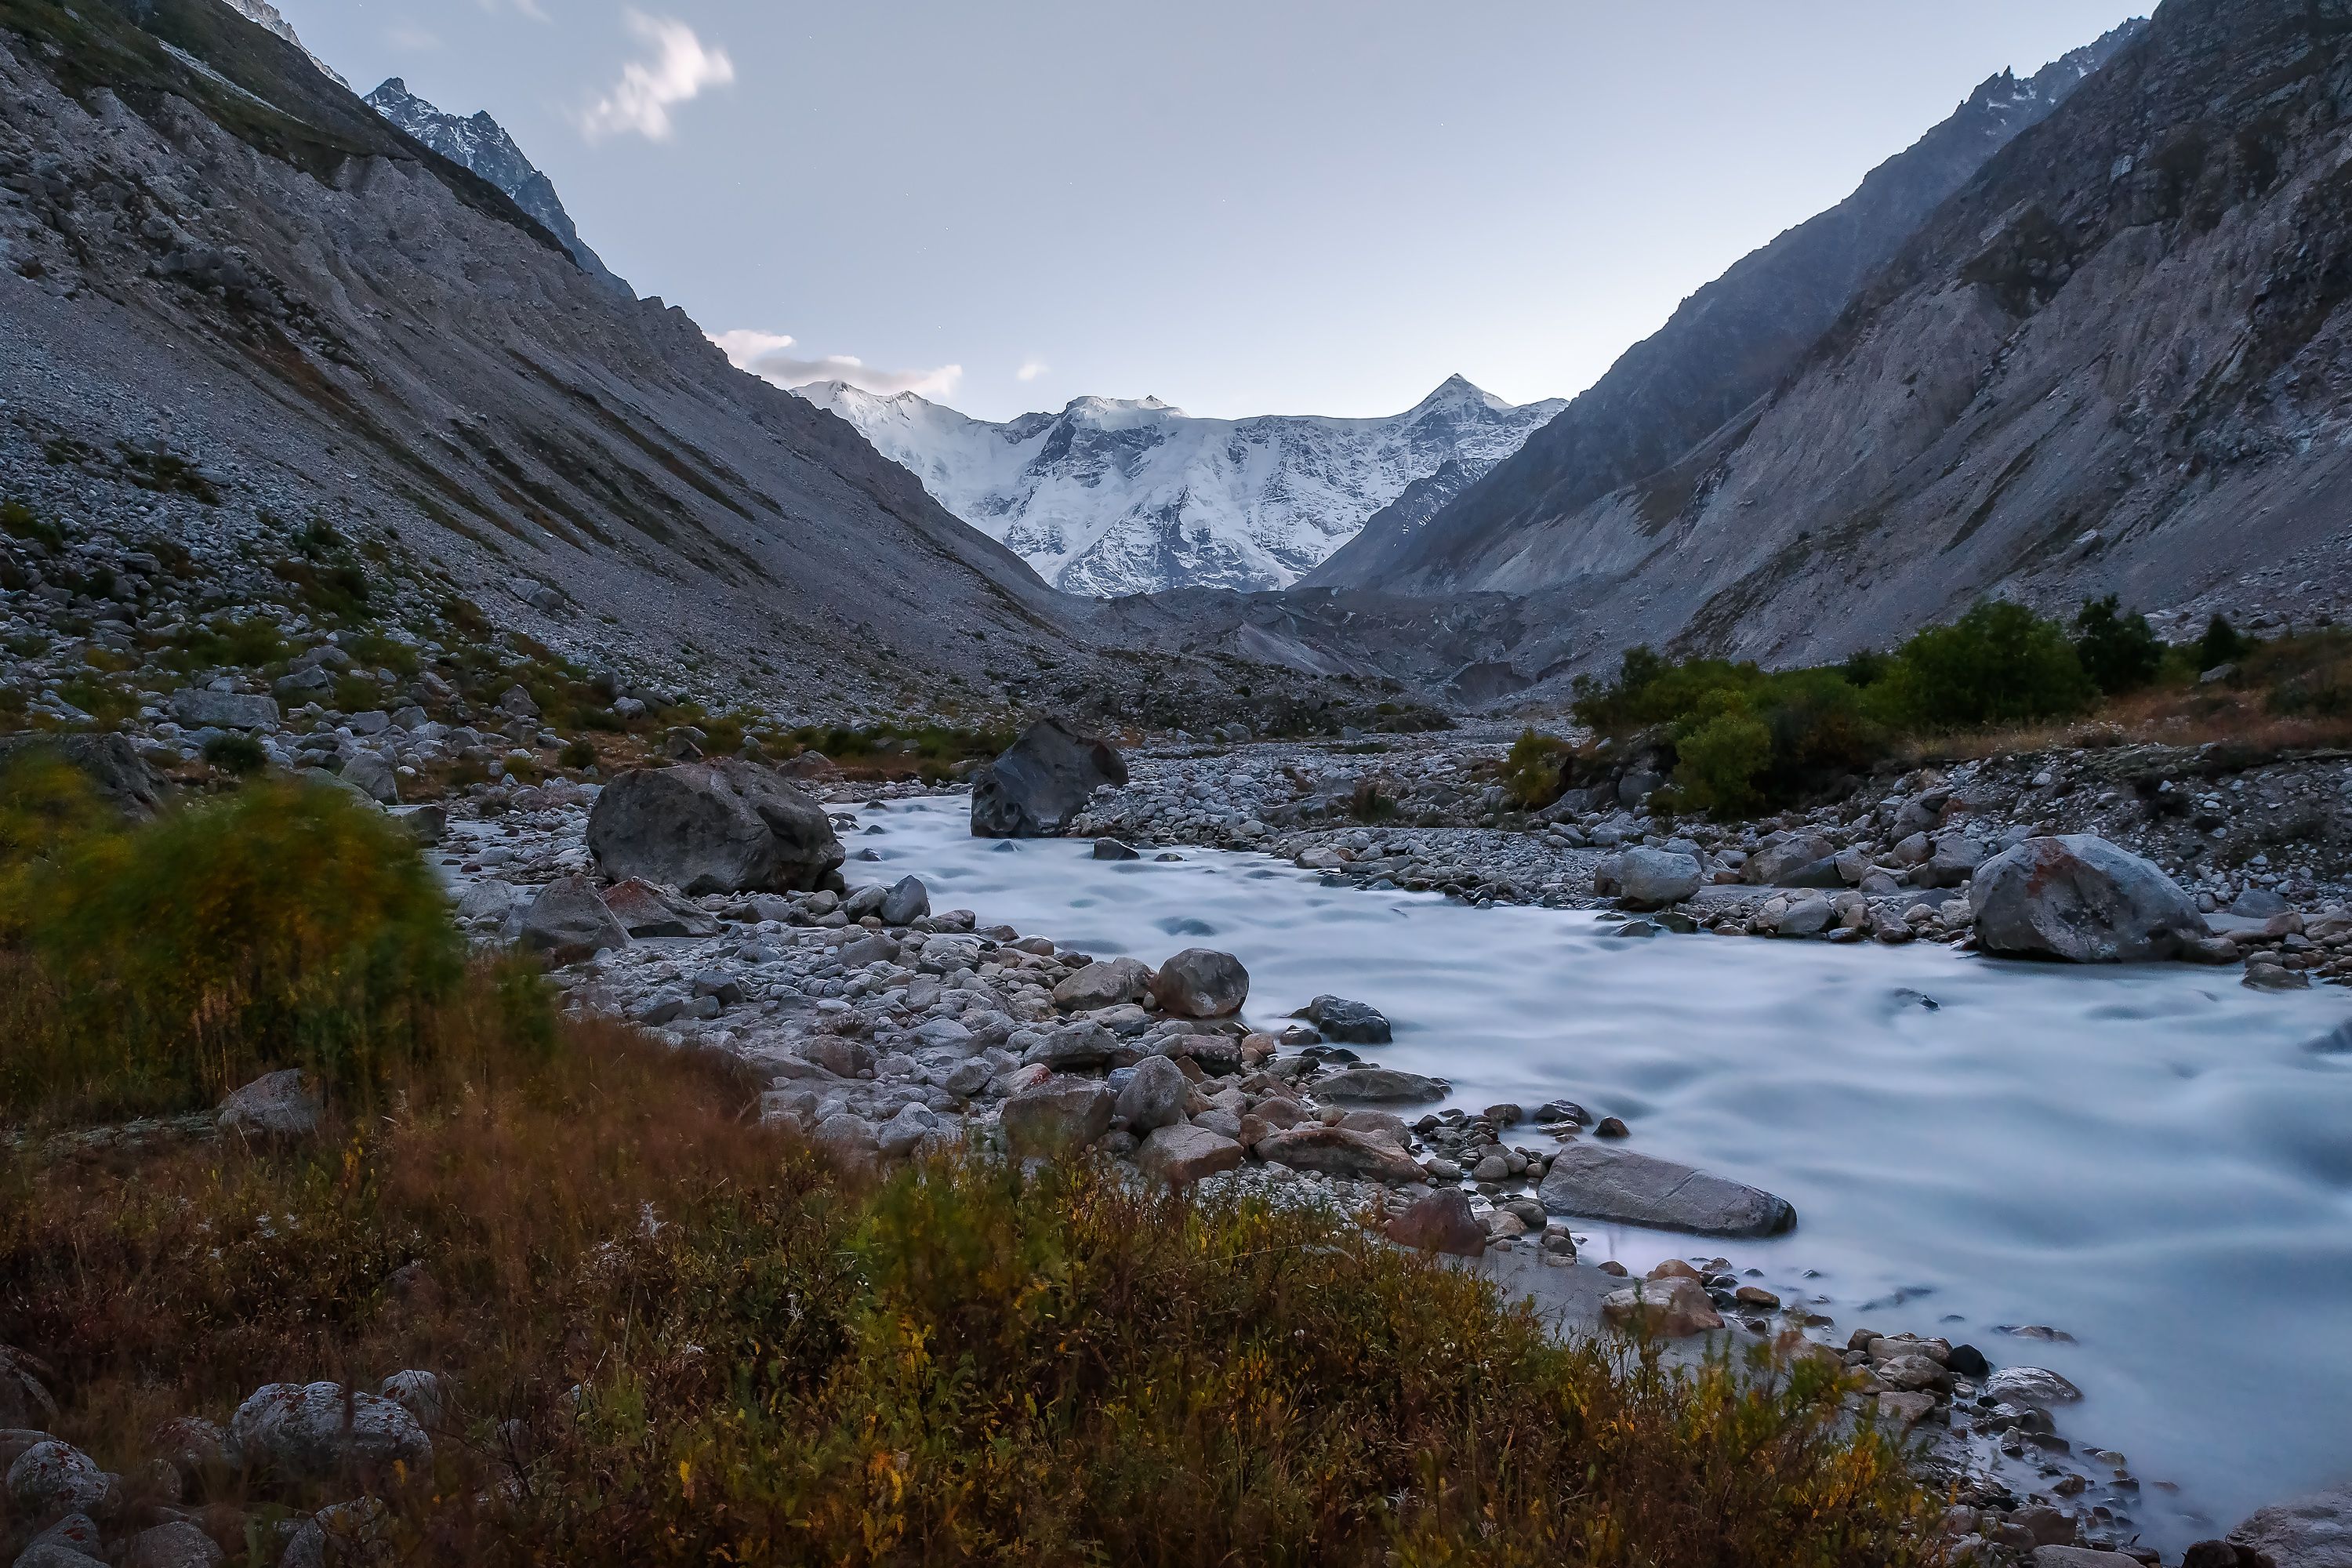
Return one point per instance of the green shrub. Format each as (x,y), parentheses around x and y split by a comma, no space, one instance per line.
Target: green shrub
(2118,650)
(2221,644)
(157,966)
(1719,760)
(234,752)
(20,521)
(1999,663)
(577,753)
(1535,772)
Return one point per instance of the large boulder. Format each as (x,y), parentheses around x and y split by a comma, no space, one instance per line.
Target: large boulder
(644,910)
(1353,1023)
(111,762)
(204,709)
(722,826)
(283,1106)
(1651,878)
(1201,982)
(51,1477)
(1380,1086)
(1670,1308)
(1774,865)
(317,1431)
(906,902)
(1041,782)
(1058,1117)
(568,921)
(1179,1155)
(1639,1189)
(1441,1222)
(2080,899)
(1338,1152)
(1155,1097)
(1107,983)
(2311,1532)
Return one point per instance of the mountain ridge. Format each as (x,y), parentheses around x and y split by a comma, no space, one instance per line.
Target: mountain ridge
(1114,496)
(1724,348)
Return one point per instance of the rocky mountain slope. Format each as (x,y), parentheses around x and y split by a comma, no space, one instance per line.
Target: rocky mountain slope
(1728,345)
(262,13)
(2113,362)
(238,306)
(1112,496)
(481,144)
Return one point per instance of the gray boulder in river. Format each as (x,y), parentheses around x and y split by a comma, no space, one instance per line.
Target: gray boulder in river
(1041,781)
(1651,878)
(720,826)
(1639,1189)
(2081,899)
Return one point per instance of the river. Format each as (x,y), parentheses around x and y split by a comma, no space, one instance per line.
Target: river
(2152,1159)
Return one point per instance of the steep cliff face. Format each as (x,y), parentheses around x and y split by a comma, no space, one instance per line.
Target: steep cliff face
(1727,346)
(2119,360)
(480,143)
(209,250)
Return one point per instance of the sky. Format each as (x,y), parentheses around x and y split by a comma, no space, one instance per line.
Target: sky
(1239,207)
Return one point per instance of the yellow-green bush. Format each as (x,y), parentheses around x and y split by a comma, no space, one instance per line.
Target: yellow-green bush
(156,967)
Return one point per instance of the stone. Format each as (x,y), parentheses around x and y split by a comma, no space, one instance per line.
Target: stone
(1041,781)
(1441,1222)
(1181,1155)
(51,1554)
(52,1476)
(1671,1308)
(1155,1097)
(1108,983)
(906,902)
(1058,1117)
(76,1533)
(2083,1557)
(1770,866)
(1906,1410)
(849,1137)
(317,1431)
(721,826)
(109,762)
(644,910)
(370,775)
(202,709)
(1338,1152)
(568,921)
(285,1104)
(1112,849)
(1201,982)
(1380,1085)
(1640,1189)
(2033,1386)
(1955,861)
(2310,1533)
(189,1445)
(1650,878)
(1348,1023)
(2258,903)
(24,1401)
(178,1544)
(2082,900)
(874,947)
(1080,1043)
(418,1391)
(1806,917)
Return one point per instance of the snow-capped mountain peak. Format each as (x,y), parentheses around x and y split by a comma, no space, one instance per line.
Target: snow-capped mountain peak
(1133,495)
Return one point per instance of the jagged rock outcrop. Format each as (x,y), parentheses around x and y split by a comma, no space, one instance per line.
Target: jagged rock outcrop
(1727,346)
(2112,361)
(1041,781)
(481,145)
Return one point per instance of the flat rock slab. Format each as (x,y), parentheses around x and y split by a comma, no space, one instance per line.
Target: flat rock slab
(2313,1532)
(1179,1154)
(1640,1189)
(1379,1086)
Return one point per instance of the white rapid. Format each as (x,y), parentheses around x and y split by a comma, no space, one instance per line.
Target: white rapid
(2153,1159)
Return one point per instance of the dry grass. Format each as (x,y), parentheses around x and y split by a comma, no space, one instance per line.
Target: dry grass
(774,1363)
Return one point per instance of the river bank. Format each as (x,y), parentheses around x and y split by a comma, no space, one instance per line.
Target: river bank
(2003,1144)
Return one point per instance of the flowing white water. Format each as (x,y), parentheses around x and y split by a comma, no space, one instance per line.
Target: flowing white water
(2152,1159)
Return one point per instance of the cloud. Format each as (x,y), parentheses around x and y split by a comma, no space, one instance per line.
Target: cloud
(404,36)
(1031,369)
(648,91)
(768,356)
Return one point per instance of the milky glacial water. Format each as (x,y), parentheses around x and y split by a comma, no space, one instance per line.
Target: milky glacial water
(2153,1158)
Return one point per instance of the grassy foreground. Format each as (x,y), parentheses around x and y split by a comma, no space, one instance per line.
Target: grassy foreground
(669,1334)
